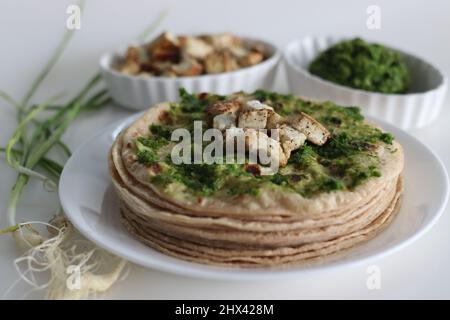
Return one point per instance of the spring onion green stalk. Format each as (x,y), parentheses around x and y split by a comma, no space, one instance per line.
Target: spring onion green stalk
(26,152)
(19,132)
(9,229)
(5,96)
(51,63)
(51,166)
(152,27)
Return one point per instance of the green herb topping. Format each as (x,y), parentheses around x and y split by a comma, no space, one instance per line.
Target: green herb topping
(361,65)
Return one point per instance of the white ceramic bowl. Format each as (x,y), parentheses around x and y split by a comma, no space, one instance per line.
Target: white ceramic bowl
(141,92)
(412,110)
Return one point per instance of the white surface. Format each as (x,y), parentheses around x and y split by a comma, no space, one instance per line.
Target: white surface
(89,201)
(143,91)
(30,29)
(407,111)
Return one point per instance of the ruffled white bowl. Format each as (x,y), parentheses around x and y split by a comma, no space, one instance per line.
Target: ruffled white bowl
(141,92)
(416,109)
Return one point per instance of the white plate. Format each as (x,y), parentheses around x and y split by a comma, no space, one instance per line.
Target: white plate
(88,198)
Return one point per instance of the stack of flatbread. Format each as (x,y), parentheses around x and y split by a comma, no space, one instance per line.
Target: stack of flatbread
(273,229)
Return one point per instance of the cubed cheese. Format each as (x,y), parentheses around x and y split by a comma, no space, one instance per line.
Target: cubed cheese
(315,132)
(290,138)
(224,121)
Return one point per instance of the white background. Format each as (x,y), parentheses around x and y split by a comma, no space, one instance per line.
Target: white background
(29,30)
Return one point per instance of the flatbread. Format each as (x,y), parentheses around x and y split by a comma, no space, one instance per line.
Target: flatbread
(256,237)
(138,197)
(315,252)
